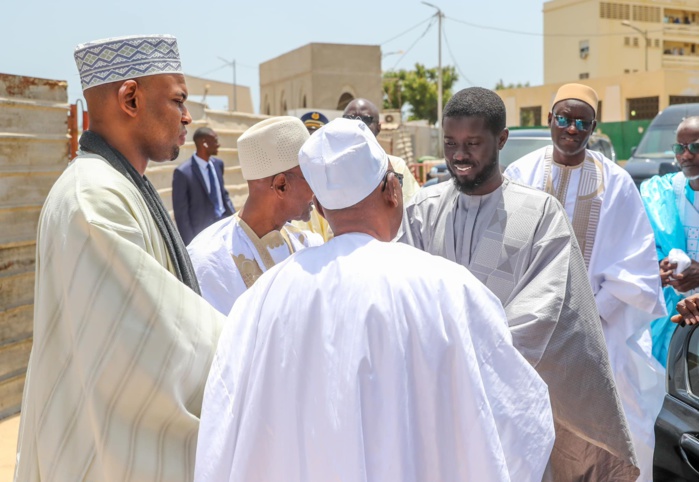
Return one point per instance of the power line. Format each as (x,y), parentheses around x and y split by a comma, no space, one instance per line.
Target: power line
(453,58)
(406,31)
(537,34)
(429,26)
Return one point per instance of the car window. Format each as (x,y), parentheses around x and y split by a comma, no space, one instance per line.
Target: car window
(693,362)
(517,147)
(601,145)
(657,141)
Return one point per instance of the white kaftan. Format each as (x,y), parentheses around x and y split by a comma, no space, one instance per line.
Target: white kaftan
(228,257)
(344,362)
(617,241)
(121,346)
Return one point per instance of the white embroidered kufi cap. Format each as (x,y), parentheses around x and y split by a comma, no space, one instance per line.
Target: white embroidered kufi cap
(271,146)
(122,58)
(343,163)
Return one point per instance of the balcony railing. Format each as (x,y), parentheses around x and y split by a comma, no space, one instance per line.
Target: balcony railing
(680,61)
(680,30)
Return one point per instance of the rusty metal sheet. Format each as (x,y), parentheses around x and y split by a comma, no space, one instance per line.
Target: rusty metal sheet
(26,188)
(11,394)
(30,153)
(17,259)
(33,88)
(28,117)
(16,290)
(18,225)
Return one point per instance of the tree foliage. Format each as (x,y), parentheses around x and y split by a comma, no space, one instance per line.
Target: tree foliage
(417,88)
(501,85)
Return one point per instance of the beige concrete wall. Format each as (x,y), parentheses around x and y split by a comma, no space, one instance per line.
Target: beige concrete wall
(34,146)
(614,93)
(208,87)
(322,73)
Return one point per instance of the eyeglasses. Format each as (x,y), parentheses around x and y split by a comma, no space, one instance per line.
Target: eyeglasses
(564,122)
(692,147)
(398,175)
(367,119)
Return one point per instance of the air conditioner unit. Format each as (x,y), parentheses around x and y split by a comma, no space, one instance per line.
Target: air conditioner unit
(388,118)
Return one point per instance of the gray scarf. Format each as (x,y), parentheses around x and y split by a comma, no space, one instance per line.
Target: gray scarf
(91,142)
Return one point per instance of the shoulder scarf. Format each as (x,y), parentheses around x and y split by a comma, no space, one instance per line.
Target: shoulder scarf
(91,142)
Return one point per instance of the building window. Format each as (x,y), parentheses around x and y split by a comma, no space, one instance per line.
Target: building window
(627,41)
(635,41)
(627,71)
(614,11)
(683,99)
(657,43)
(530,116)
(643,107)
(646,14)
(599,111)
(584,49)
(584,75)
(303,102)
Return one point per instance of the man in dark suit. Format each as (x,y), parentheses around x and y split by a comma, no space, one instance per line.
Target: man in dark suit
(199,197)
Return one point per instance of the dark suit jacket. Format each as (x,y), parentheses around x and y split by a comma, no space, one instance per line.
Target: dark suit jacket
(194,211)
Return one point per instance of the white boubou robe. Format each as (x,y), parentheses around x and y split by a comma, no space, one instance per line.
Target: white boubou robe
(228,257)
(121,347)
(344,362)
(618,246)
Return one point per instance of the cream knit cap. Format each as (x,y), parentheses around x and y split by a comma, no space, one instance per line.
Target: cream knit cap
(271,146)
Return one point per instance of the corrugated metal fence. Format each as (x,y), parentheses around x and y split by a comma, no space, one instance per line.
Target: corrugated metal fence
(34,145)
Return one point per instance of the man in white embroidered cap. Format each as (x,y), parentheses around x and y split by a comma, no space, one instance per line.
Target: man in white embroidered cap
(122,339)
(231,254)
(342,363)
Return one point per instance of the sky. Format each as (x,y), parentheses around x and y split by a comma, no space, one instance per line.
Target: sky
(486,40)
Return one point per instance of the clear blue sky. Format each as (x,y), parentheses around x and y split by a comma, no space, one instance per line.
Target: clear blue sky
(38,36)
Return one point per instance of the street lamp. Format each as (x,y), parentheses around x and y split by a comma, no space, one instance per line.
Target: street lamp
(439,15)
(626,23)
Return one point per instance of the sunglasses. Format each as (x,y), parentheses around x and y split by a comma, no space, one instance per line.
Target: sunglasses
(398,175)
(564,122)
(367,119)
(692,147)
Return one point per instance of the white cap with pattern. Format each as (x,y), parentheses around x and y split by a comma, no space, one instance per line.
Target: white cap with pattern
(271,146)
(122,58)
(343,163)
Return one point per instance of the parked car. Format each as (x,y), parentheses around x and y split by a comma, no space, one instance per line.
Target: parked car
(654,154)
(523,141)
(676,456)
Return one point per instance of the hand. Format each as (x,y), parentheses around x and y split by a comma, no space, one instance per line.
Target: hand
(666,268)
(687,280)
(688,310)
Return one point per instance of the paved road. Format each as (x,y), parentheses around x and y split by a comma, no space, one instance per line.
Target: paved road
(8,447)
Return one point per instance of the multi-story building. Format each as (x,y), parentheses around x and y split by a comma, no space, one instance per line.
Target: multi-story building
(320,76)
(639,55)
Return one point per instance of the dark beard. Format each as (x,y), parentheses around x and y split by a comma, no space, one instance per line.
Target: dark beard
(467,187)
(175,153)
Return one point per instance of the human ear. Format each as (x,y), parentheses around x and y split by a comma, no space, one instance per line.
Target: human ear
(318,206)
(129,97)
(503,138)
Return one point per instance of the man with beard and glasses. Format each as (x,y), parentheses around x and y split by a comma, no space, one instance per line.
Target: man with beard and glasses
(231,254)
(673,209)
(603,203)
(519,243)
(122,340)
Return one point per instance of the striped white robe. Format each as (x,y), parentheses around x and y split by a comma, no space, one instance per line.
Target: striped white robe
(121,347)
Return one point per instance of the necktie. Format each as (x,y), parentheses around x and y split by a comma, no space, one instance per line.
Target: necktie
(213,195)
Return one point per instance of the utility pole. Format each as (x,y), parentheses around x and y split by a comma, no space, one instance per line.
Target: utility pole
(440,15)
(235,88)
